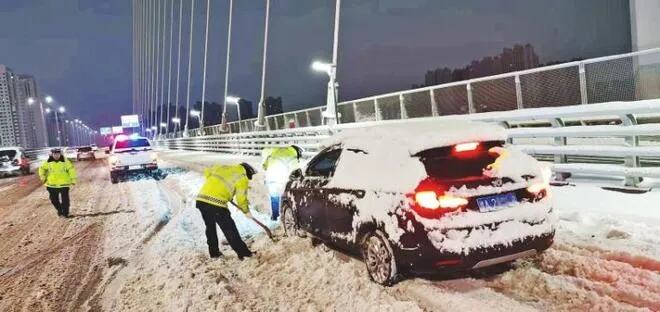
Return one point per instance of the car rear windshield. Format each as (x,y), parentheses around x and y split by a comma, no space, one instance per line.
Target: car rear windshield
(132,143)
(85,149)
(448,163)
(9,154)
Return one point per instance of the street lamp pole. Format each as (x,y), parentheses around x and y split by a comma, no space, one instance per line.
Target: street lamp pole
(331,102)
(261,114)
(224,108)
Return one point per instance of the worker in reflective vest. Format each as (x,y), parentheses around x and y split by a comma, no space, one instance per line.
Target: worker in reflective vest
(223,184)
(278,166)
(58,174)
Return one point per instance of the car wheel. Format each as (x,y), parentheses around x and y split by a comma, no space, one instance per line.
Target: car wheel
(289,222)
(379,259)
(114,179)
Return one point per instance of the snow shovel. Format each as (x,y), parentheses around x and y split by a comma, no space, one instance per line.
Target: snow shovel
(263,226)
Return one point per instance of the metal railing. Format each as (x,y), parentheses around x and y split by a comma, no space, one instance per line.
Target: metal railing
(620,139)
(625,77)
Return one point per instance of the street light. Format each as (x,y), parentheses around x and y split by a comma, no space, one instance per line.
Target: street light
(30,101)
(330,112)
(235,100)
(49,99)
(322,67)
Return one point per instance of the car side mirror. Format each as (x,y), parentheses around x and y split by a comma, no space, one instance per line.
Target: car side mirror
(296,175)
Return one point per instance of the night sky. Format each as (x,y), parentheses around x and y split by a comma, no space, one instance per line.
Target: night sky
(80,50)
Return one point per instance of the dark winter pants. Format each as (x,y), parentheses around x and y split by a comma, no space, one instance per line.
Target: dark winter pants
(62,205)
(213,215)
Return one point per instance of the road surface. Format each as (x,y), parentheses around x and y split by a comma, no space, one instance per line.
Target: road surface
(139,246)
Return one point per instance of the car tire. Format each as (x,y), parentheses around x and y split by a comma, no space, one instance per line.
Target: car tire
(290,222)
(379,259)
(114,179)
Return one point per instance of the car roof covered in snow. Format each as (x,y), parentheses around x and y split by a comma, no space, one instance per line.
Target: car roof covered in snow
(417,136)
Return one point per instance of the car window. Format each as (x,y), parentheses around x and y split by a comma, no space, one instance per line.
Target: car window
(132,143)
(442,163)
(9,154)
(324,165)
(85,149)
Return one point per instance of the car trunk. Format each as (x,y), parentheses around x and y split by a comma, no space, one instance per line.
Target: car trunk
(462,167)
(135,156)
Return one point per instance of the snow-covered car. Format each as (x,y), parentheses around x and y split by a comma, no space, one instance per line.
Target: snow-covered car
(13,161)
(131,154)
(85,152)
(423,198)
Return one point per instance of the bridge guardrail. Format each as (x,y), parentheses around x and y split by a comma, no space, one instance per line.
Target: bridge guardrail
(611,149)
(624,77)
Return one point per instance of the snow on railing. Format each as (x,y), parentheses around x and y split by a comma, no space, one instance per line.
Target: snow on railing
(596,139)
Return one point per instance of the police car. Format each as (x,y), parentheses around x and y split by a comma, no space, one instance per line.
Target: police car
(131,154)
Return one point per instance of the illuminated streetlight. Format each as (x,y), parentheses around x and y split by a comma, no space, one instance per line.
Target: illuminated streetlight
(176,120)
(61,109)
(49,99)
(235,100)
(163,125)
(195,113)
(47,110)
(330,112)
(322,67)
(30,101)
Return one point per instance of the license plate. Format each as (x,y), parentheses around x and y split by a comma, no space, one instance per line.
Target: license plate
(495,202)
(134,167)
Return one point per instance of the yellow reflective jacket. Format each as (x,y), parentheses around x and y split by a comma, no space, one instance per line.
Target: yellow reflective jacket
(223,183)
(58,173)
(287,156)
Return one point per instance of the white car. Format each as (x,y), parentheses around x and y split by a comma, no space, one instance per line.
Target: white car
(13,161)
(70,153)
(131,154)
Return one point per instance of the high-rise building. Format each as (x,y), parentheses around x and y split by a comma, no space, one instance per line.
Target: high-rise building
(9,129)
(31,118)
(21,120)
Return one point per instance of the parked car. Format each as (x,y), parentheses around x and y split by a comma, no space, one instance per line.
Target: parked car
(13,161)
(422,198)
(85,152)
(131,154)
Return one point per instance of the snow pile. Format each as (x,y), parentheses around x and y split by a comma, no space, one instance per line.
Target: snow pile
(512,163)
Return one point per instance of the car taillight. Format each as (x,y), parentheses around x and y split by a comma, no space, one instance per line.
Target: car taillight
(431,201)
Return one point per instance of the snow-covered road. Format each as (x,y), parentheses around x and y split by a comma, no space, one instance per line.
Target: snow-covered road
(139,246)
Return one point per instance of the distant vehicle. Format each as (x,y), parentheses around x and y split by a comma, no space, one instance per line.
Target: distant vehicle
(13,161)
(85,152)
(422,198)
(70,153)
(130,154)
